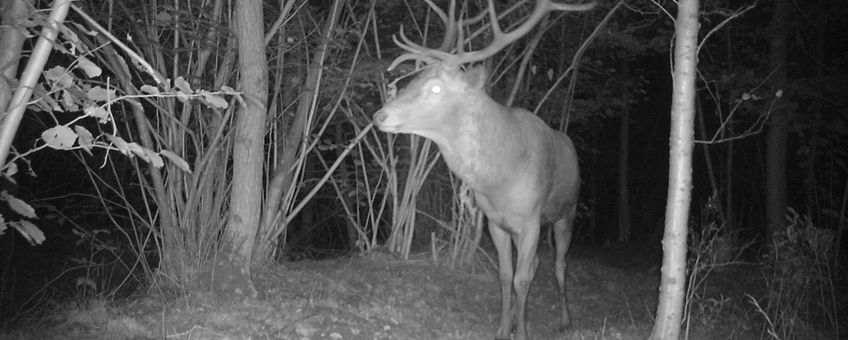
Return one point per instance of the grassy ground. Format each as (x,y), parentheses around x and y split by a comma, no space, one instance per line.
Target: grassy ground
(612,294)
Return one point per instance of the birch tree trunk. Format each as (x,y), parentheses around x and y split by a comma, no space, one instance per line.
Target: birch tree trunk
(673,281)
(17,104)
(12,12)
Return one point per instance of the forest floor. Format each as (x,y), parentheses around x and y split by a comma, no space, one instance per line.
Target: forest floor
(612,294)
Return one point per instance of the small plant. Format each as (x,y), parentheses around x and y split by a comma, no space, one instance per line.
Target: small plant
(23,225)
(712,244)
(710,248)
(800,299)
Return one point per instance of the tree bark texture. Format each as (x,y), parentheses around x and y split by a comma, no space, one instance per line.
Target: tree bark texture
(11,42)
(281,182)
(248,147)
(673,280)
(12,115)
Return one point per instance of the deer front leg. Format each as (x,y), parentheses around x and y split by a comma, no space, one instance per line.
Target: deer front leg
(503,244)
(527,241)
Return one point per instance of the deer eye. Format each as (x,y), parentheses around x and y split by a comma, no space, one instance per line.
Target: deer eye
(436,89)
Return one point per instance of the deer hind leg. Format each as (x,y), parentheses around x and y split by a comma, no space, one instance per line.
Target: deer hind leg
(562,233)
(503,244)
(527,242)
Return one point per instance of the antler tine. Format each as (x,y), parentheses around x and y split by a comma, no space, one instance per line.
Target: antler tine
(422,53)
(450,23)
(439,11)
(502,39)
(407,44)
(477,18)
(410,56)
(412,47)
(573,7)
(417,52)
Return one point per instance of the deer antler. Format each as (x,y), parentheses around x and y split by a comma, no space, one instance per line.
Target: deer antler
(450,23)
(428,55)
(502,39)
(455,27)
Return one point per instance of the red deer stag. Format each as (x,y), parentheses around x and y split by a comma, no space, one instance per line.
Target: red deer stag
(522,172)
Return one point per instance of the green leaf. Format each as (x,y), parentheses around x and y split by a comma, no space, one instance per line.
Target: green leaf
(97,112)
(91,69)
(120,144)
(137,150)
(29,231)
(100,94)
(59,137)
(85,138)
(146,154)
(149,89)
(183,85)
(60,77)
(18,205)
(214,100)
(177,160)
(11,170)
(154,158)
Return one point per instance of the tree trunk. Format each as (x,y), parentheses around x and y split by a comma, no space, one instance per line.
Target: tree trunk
(708,161)
(12,115)
(233,268)
(11,42)
(283,177)
(673,280)
(778,128)
(291,80)
(348,178)
(624,227)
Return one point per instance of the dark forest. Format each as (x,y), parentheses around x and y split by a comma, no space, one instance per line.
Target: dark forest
(343,169)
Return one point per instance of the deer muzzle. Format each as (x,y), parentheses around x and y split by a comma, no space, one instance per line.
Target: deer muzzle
(384,122)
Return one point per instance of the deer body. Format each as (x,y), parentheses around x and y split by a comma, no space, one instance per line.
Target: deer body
(522,172)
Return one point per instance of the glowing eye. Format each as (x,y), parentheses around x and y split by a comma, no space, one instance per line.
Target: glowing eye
(436,89)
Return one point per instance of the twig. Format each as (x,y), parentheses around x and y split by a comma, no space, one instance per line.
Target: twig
(578,55)
(137,58)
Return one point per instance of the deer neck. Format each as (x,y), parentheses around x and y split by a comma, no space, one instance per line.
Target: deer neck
(466,147)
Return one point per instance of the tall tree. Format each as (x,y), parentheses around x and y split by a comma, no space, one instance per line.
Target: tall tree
(673,281)
(625,230)
(246,196)
(280,185)
(11,42)
(778,128)
(11,118)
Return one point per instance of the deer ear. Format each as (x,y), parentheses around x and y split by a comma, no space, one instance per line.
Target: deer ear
(476,77)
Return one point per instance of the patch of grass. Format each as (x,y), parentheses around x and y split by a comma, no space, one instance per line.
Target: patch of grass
(799,275)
